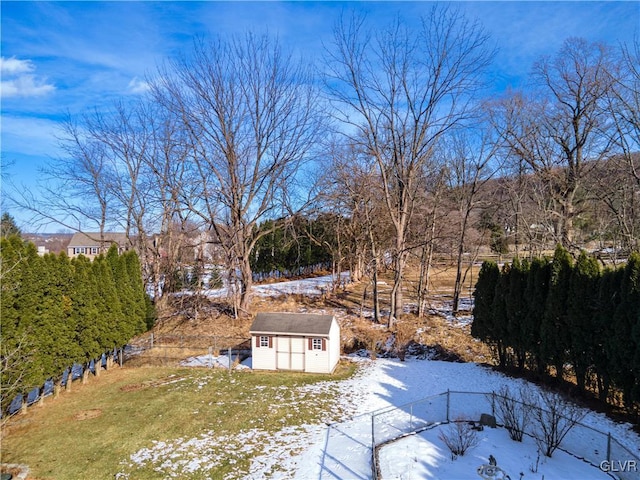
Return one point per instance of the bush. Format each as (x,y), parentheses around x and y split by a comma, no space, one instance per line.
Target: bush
(554,420)
(459,437)
(515,414)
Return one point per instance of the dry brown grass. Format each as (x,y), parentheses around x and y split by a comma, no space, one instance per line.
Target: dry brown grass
(193,318)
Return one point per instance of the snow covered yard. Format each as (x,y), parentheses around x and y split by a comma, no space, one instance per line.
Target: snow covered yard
(342,450)
(424,455)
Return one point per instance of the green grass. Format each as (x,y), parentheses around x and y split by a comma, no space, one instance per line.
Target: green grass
(93,431)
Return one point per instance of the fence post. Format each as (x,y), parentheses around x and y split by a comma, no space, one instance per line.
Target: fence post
(448,402)
(411,417)
(373,447)
(493,403)
(151,339)
(609,447)
(229,358)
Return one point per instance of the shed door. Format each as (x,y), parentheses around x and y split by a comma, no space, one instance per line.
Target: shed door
(297,353)
(283,353)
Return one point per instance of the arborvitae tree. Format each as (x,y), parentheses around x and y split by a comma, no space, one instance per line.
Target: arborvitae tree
(150,313)
(625,320)
(125,294)
(609,297)
(29,303)
(109,307)
(516,308)
(483,295)
(555,328)
(12,261)
(58,304)
(536,296)
(89,331)
(581,314)
(635,366)
(134,276)
(16,349)
(500,326)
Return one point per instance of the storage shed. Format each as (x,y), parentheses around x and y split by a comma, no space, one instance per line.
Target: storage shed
(295,341)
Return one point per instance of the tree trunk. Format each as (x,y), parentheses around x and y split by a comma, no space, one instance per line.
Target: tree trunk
(246,280)
(376,295)
(397,306)
(457,288)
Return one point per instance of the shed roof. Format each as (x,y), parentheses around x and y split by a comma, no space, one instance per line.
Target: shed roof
(81,239)
(292,323)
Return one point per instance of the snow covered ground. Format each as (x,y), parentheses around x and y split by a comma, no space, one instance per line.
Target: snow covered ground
(314,286)
(342,450)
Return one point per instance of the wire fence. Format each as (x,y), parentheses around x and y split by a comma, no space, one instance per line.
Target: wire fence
(364,435)
(152,350)
(600,449)
(52,386)
(187,350)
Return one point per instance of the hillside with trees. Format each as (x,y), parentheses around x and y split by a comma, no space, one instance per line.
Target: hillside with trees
(395,154)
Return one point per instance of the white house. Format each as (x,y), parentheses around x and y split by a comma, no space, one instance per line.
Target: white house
(295,341)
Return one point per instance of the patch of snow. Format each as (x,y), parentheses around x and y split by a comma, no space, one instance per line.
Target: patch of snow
(424,455)
(314,286)
(340,448)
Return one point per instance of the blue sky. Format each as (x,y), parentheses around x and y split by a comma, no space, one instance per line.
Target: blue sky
(60,57)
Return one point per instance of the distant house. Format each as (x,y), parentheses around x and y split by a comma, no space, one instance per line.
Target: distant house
(295,341)
(91,244)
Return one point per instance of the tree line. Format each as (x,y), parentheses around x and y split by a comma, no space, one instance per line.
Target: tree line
(58,311)
(395,135)
(564,317)
(293,244)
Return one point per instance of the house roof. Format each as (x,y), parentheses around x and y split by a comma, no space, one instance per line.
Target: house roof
(292,323)
(81,239)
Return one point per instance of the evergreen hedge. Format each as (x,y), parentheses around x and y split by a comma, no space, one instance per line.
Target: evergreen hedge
(57,311)
(563,316)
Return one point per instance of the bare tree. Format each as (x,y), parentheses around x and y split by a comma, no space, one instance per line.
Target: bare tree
(398,93)
(624,109)
(562,132)
(459,437)
(471,163)
(75,190)
(250,113)
(355,186)
(428,229)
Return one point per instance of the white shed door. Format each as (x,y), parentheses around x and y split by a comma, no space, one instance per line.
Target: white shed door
(283,352)
(297,353)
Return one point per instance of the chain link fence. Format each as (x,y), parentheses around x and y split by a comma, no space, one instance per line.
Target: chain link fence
(600,449)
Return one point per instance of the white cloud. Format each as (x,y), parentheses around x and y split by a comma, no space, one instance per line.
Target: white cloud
(13,66)
(25,86)
(29,135)
(18,81)
(138,86)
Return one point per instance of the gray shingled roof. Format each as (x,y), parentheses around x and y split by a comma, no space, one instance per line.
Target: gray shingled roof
(292,323)
(81,239)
